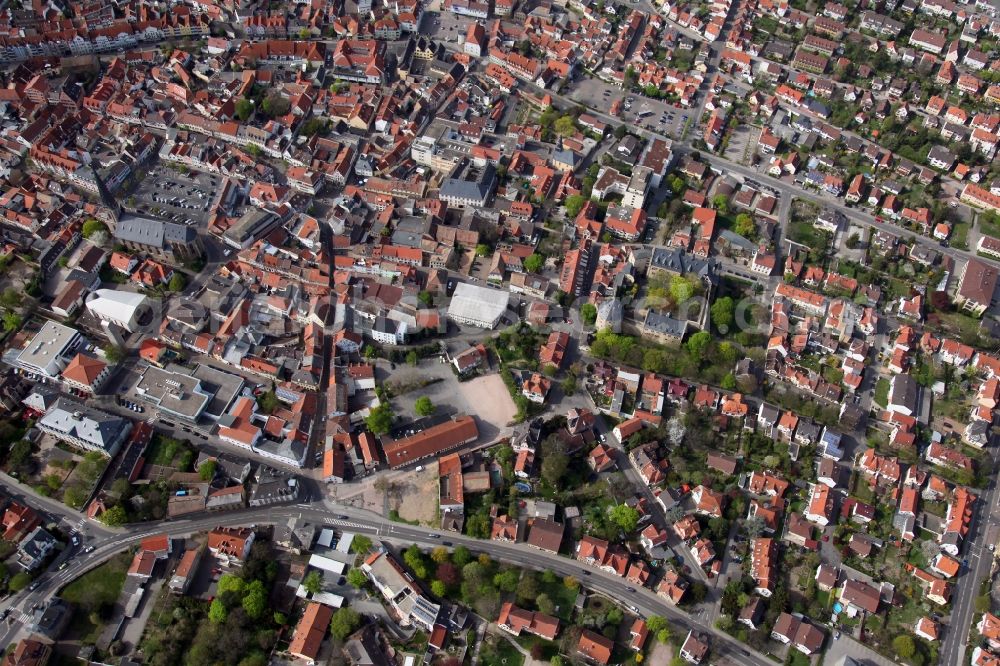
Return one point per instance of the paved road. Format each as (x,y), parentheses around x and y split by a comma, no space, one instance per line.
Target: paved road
(980,559)
(366,522)
(723,165)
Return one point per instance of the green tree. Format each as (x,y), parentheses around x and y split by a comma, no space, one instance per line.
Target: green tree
(625,517)
(12,321)
(244,109)
(177,282)
(423,406)
(206,470)
(545,604)
(527,589)
(745,226)
(267,402)
(361,544)
(723,313)
(230,583)
(217,612)
(728,382)
(74,496)
(426,298)
(553,467)
(275,105)
(570,582)
(483,250)
(19,581)
(721,203)
(588,312)
(345,621)
(682,288)
(280,618)
(506,581)
(565,126)
(698,344)
(114,354)
(656,624)
(379,420)
(412,358)
(534,263)
(313,582)
(904,646)
(11,298)
(91,227)
(461,556)
(439,589)
(574,204)
(255,602)
(114,517)
(356,577)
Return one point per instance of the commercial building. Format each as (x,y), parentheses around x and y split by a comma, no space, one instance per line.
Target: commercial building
(85,427)
(50,350)
(478,306)
(173,393)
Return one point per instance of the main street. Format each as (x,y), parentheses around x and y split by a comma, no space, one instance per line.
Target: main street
(365,522)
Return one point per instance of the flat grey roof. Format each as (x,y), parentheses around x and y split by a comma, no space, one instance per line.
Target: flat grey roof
(224,387)
(49,343)
(174,392)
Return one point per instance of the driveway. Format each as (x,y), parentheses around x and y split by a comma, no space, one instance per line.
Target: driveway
(846,646)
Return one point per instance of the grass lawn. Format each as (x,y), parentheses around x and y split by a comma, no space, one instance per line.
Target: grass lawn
(957,323)
(806,234)
(100,586)
(960,236)
(796,658)
(882,392)
(169,452)
(92,592)
(563,597)
(987,227)
(916,556)
(498,651)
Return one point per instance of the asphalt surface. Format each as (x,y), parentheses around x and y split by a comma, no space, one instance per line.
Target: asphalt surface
(349,519)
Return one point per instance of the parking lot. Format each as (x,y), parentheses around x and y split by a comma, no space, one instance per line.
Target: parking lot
(446,27)
(652,114)
(184,198)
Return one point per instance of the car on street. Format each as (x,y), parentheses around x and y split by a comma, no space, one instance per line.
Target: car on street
(88,549)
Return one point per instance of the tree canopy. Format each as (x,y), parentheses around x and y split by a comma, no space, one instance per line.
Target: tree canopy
(534,263)
(624,517)
(379,420)
(345,621)
(423,406)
